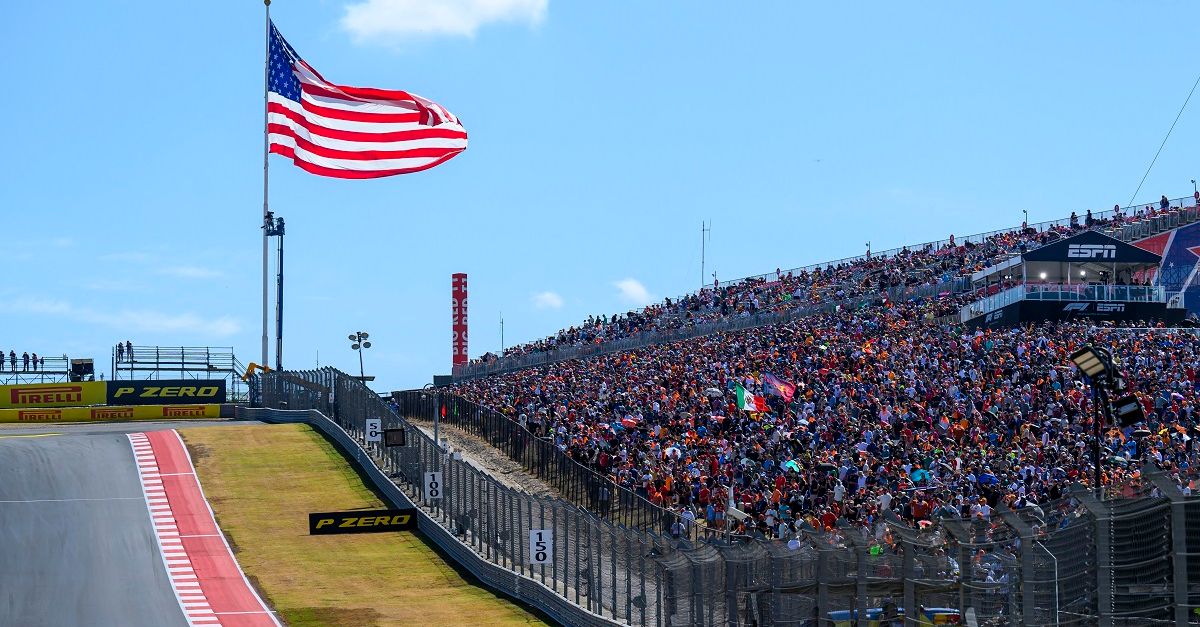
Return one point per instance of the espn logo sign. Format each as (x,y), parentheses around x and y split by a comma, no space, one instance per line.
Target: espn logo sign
(1101,308)
(1092,251)
(46,395)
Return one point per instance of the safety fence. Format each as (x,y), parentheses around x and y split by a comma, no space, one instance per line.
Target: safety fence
(1081,560)
(540,457)
(1130,227)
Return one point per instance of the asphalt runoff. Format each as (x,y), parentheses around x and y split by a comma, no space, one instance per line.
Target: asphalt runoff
(76,543)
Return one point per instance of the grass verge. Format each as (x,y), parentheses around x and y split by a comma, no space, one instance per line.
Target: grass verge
(262,482)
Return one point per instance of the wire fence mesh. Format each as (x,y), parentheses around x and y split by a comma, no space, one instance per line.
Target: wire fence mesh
(1081,560)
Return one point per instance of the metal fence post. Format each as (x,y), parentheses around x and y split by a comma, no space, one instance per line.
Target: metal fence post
(1103,536)
(1025,532)
(1179,545)
(910,595)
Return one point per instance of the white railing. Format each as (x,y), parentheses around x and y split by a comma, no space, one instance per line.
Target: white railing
(1064,292)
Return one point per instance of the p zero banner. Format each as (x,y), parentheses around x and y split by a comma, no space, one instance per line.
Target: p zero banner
(362,521)
(166,392)
(458,318)
(102,414)
(53,394)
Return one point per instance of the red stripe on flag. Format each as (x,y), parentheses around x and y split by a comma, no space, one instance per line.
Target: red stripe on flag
(360,116)
(425,132)
(369,155)
(287,151)
(345,92)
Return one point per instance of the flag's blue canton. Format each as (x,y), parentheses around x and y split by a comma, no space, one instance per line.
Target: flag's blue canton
(280,78)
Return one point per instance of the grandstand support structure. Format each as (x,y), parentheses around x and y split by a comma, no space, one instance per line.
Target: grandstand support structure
(54,370)
(181,362)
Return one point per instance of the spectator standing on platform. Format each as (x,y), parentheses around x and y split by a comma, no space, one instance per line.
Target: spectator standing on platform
(120,351)
(35,361)
(12,359)
(129,349)
(1088,220)
(42,363)
(25,361)
(1163,203)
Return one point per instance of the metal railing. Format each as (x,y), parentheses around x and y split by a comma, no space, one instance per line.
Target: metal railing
(1064,292)
(540,457)
(1124,560)
(182,362)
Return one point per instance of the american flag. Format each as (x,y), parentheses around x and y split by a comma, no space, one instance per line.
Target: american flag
(352,132)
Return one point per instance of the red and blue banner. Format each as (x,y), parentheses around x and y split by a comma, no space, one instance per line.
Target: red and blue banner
(774,385)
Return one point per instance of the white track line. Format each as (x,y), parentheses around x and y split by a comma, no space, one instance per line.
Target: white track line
(178,566)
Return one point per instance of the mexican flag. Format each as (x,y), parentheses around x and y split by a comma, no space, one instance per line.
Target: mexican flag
(749,402)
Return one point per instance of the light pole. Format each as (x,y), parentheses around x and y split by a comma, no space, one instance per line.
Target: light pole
(1096,363)
(1026,212)
(360,342)
(277,229)
(1193,186)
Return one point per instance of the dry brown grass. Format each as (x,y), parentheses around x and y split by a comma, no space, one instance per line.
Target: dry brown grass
(263,481)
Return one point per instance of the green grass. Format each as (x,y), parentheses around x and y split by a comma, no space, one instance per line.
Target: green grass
(263,481)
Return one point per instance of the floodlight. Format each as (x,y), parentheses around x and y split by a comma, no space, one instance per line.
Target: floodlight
(1089,361)
(353,337)
(354,347)
(1042,276)
(366,345)
(1128,411)
(364,335)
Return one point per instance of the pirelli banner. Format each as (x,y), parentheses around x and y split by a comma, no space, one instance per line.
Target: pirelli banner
(103,414)
(166,392)
(54,394)
(119,393)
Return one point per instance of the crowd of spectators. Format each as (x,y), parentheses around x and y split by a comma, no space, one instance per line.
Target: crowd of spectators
(29,362)
(888,413)
(881,408)
(926,266)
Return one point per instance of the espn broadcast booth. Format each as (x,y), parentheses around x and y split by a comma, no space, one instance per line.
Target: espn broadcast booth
(1088,275)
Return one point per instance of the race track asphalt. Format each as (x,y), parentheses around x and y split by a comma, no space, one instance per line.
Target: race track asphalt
(76,543)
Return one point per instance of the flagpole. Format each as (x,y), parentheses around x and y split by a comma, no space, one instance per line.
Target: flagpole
(266,163)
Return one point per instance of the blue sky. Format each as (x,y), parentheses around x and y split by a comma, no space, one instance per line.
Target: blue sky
(602,133)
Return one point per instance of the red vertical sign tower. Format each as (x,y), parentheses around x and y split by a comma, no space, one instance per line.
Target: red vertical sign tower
(458,318)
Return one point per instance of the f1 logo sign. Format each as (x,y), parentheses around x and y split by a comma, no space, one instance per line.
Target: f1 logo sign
(995,316)
(1092,251)
(1076,307)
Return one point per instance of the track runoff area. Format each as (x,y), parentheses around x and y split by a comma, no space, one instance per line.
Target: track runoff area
(114,517)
